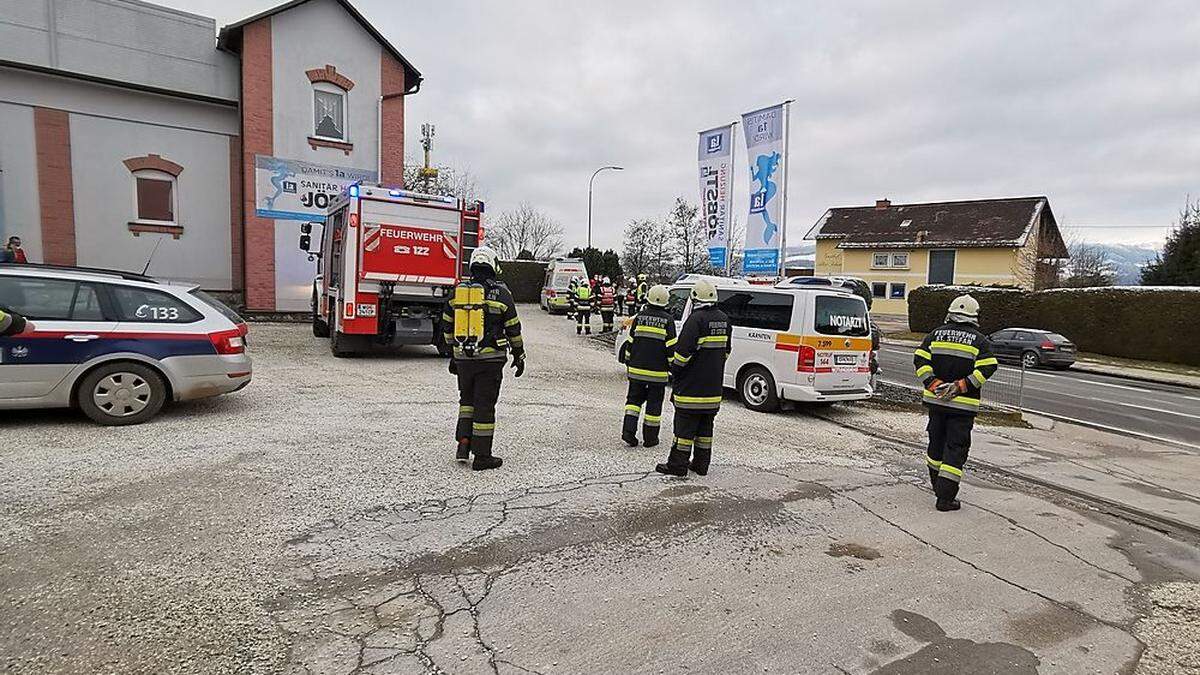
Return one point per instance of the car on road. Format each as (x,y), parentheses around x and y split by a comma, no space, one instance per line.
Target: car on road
(808,343)
(1033,348)
(115,345)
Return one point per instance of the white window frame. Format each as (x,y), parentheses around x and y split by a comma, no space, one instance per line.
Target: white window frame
(899,266)
(155,174)
(329,88)
(875,260)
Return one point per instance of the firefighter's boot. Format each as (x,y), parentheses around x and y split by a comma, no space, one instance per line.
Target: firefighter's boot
(948,505)
(486,462)
(629,424)
(463,452)
(700,460)
(677,462)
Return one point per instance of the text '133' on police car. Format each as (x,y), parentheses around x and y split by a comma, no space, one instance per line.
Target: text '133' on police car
(387,262)
(116,345)
(809,344)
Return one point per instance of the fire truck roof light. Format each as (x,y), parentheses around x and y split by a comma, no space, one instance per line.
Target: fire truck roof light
(353,190)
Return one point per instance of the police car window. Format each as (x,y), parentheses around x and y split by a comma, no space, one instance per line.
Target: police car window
(677,301)
(142,305)
(748,309)
(33,298)
(86,306)
(842,316)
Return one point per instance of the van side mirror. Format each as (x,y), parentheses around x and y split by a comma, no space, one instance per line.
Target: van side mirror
(306,228)
(305,242)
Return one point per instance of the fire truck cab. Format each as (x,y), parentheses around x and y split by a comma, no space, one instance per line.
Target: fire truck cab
(387,262)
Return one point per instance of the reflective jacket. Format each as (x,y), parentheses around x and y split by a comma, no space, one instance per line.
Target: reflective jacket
(647,352)
(699,361)
(501,327)
(583,298)
(11,323)
(958,353)
(642,289)
(607,296)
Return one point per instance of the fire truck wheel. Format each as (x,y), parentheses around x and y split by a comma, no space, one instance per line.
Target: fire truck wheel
(342,345)
(320,327)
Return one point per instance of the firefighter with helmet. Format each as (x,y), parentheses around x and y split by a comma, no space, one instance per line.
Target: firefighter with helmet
(646,355)
(583,307)
(571,288)
(953,362)
(480,322)
(698,368)
(642,288)
(608,301)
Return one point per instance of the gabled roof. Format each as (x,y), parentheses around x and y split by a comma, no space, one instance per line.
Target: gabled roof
(980,223)
(230,38)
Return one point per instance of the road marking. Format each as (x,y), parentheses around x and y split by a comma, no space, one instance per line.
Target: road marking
(1128,405)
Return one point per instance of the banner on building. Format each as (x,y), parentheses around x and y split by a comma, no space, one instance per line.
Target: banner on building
(766,146)
(291,189)
(716,198)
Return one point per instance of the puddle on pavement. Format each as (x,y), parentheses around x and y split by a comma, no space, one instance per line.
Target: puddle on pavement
(1048,626)
(852,550)
(945,655)
(681,491)
(808,491)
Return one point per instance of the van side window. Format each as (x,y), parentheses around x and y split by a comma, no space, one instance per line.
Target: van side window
(749,309)
(678,301)
(842,316)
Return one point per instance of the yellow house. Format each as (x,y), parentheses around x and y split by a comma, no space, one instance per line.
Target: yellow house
(898,247)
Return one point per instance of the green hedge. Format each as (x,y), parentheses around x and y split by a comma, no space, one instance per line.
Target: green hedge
(1134,322)
(524,278)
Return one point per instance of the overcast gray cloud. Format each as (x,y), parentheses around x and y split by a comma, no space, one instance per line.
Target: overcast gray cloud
(1095,104)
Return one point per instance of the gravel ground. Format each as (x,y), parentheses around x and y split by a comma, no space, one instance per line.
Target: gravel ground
(175,545)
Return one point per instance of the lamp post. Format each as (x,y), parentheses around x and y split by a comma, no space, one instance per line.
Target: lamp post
(593,178)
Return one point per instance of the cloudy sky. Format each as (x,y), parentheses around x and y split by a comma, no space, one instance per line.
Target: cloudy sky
(1095,104)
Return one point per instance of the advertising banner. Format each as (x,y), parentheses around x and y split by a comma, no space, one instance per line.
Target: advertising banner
(716,199)
(290,189)
(766,145)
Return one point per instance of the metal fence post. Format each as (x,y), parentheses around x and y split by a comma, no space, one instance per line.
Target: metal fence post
(1021,388)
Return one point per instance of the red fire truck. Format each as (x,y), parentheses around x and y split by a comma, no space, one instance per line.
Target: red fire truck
(387,262)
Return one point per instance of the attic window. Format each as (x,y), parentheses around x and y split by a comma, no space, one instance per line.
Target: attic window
(906,223)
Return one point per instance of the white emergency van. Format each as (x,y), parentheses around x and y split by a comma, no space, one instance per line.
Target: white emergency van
(796,343)
(556,292)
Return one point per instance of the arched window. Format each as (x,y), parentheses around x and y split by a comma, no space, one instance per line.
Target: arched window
(329,112)
(155,195)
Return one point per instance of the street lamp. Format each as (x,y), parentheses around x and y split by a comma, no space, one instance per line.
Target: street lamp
(593,178)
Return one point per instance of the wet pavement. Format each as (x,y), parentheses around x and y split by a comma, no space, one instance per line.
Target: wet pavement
(315,523)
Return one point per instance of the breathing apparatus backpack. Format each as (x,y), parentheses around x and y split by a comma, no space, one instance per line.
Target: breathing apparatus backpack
(469,313)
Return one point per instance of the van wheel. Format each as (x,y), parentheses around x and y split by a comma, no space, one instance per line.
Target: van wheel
(118,394)
(757,390)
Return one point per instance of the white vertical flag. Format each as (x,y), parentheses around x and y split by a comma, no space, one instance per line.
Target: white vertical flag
(766,145)
(716,198)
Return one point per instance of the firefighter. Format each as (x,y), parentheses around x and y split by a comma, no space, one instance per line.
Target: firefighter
(646,354)
(481,323)
(608,301)
(698,368)
(571,288)
(12,323)
(583,308)
(642,288)
(619,298)
(953,363)
(631,301)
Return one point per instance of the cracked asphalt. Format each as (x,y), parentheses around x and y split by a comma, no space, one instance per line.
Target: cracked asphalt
(316,523)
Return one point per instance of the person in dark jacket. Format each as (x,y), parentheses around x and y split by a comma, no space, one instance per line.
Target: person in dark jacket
(698,368)
(13,252)
(646,355)
(12,323)
(481,323)
(953,363)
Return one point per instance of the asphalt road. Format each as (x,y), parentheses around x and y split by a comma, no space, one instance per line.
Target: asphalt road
(1158,411)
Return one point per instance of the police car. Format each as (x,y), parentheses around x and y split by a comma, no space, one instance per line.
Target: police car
(116,345)
(803,343)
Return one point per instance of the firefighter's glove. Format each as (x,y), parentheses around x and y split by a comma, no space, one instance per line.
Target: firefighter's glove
(453,366)
(518,365)
(946,390)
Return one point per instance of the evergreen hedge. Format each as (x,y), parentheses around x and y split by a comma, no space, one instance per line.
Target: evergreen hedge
(1136,322)
(524,278)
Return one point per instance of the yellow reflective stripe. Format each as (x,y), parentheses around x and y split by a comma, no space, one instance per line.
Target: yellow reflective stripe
(515,321)
(497,304)
(977,378)
(631,408)
(950,469)
(683,441)
(651,329)
(483,425)
(713,338)
(447,318)
(697,399)
(648,373)
(671,342)
(990,361)
(682,359)
(923,354)
(652,419)
(924,370)
(933,462)
(974,351)
(957,399)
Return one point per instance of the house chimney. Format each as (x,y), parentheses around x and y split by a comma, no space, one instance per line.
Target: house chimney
(882,203)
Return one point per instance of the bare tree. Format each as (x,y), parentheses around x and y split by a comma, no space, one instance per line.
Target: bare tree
(1089,266)
(660,244)
(525,229)
(449,182)
(737,244)
(690,237)
(635,258)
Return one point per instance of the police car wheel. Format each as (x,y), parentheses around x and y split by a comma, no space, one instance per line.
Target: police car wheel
(118,394)
(757,390)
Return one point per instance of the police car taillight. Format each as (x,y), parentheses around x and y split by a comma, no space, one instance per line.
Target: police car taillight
(806,359)
(229,341)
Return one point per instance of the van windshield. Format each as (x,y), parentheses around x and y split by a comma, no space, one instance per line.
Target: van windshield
(563,279)
(842,316)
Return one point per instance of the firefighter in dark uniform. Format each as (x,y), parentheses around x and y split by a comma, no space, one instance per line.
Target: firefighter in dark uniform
(608,301)
(646,355)
(698,368)
(619,297)
(583,308)
(953,363)
(571,288)
(643,287)
(481,323)
(12,323)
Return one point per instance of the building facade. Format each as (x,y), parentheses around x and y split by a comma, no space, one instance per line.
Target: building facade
(133,134)
(898,247)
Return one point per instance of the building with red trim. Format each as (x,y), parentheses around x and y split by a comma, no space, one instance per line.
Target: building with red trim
(129,136)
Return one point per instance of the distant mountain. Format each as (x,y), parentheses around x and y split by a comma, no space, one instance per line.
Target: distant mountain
(1128,259)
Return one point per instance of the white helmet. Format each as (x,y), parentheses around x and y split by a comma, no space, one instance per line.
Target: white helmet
(964,309)
(606,281)
(486,256)
(658,296)
(704,291)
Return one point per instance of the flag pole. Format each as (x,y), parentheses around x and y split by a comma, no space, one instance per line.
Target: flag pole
(729,197)
(787,169)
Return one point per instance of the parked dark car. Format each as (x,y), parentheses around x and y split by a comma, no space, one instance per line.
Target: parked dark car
(1033,347)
